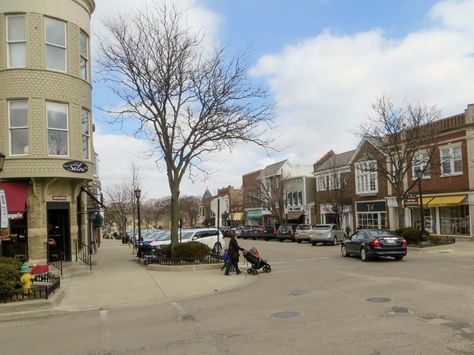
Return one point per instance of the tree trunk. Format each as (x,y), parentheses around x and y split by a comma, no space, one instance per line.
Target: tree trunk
(174,214)
(400,214)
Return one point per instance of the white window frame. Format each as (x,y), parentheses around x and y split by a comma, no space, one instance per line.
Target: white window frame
(85,58)
(451,160)
(365,173)
(55,45)
(84,111)
(422,164)
(10,128)
(8,41)
(334,181)
(321,182)
(58,129)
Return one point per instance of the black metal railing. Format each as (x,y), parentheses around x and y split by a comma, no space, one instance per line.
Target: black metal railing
(164,260)
(55,259)
(84,253)
(42,286)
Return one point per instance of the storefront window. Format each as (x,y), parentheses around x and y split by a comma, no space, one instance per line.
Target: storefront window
(371,220)
(454,220)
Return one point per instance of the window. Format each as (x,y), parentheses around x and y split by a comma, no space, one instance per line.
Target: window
(371,220)
(290,199)
(300,198)
(295,199)
(420,161)
(334,181)
(57,128)
(55,37)
(451,160)
(18,121)
(84,56)
(454,220)
(85,134)
(321,183)
(16,41)
(366,177)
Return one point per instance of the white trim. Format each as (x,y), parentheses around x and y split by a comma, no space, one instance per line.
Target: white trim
(23,127)
(86,58)
(369,175)
(89,136)
(450,147)
(46,44)
(58,129)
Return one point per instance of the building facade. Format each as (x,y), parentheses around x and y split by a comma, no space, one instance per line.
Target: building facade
(46,124)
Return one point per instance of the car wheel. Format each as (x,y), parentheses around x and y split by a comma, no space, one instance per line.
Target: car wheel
(398,258)
(313,244)
(344,252)
(216,250)
(334,241)
(281,240)
(363,254)
(299,241)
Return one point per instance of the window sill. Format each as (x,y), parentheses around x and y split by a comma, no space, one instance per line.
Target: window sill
(423,178)
(450,175)
(373,193)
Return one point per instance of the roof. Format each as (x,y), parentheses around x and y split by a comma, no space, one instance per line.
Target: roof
(206,196)
(336,161)
(271,170)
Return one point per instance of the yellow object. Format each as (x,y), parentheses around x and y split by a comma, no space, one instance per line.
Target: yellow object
(26,282)
(446,200)
(237,216)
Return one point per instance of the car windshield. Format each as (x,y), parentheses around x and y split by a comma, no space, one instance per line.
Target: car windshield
(380,233)
(304,227)
(164,235)
(285,228)
(187,234)
(323,227)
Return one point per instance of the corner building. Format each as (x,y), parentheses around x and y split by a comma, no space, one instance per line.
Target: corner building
(46,124)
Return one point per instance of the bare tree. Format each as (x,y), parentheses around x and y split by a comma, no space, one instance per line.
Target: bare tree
(271,195)
(118,205)
(132,186)
(188,100)
(405,136)
(189,206)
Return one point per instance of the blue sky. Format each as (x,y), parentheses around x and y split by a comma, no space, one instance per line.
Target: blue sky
(325,62)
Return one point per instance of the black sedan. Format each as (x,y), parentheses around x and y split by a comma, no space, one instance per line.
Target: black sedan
(370,243)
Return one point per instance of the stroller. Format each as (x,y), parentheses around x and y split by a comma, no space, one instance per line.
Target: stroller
(253,257)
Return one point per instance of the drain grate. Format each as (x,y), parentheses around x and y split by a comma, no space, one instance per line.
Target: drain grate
(285,314)
(398,309)
(378,299)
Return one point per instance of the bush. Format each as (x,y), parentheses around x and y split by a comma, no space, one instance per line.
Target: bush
(10,261)
(191,251)
(411,234)
(435,239)
(166,250)
(9,277)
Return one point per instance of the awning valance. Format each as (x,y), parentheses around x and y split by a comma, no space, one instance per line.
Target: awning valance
(236,216)
(294,215)
(16,194)
(445,200)
(254,213)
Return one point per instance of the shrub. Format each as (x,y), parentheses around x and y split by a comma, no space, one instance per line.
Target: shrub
(9,277)
(191,251)
(435,239)
(166,250)
(10,261)
(411,234)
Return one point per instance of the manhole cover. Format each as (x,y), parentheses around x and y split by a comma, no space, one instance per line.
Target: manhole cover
(397,309)
(378,299)
(299,292)
(286,314)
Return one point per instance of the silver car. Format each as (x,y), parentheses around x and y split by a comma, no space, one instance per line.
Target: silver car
(303,233)
(327,234)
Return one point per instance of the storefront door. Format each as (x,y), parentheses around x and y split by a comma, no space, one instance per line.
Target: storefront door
(59,238)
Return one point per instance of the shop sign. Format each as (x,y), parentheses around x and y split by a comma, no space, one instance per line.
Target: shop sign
(411,200)
(59,198)
(76,166)
(3,210)
(372,206)
(16,216)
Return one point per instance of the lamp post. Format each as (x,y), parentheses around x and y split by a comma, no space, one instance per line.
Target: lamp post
(419,176)
(138,193)
(2,160)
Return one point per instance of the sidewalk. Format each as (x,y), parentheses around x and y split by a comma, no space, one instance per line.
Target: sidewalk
(118,280)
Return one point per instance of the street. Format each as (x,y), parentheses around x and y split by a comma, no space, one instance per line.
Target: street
(313,302)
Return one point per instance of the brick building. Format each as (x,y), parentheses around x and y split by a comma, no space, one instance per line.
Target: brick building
(46,124)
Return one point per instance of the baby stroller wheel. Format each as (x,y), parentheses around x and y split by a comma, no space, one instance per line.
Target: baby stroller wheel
(267,268)
(249,271)
(254,272)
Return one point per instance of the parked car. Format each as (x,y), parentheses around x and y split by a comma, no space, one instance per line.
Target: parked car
(252,232)
(209,236)
(327,234)
(303,232)
(237,231)
(286,231)
(370,243)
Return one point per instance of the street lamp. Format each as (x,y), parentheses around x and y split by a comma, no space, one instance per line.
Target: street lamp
(138,193)
(2,160)
(419,176)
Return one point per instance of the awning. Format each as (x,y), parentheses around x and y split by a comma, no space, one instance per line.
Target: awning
(254,213)
(15,193)
(294,215)
(93,197)
(236,216)
(98,221)
(446,200)
(426,201)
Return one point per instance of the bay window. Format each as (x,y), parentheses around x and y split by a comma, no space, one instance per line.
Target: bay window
(366,177)
(84,56)
(57,117)
(18,122)
(85,134)
(16,41)
(55,41)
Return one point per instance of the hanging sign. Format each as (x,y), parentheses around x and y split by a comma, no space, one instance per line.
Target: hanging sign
(3,210)
(76,166)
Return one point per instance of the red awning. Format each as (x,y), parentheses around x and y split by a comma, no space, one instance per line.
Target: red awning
(15,193)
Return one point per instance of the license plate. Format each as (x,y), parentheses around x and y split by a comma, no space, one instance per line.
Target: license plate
(390,241)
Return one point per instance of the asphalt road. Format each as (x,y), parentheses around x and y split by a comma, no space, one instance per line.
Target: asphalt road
(313,302)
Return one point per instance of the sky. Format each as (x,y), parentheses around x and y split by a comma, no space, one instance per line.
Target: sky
(324,62)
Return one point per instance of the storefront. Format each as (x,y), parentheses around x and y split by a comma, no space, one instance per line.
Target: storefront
(444,215)
(254,215)
(371,214)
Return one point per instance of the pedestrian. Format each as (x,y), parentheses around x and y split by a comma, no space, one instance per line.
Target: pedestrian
(233,255)
(226,259)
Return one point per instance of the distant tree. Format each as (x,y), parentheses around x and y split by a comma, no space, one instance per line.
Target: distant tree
(119,206)
(405,136)
(189,101)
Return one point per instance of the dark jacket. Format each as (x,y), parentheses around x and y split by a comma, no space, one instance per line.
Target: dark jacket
(234,247)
